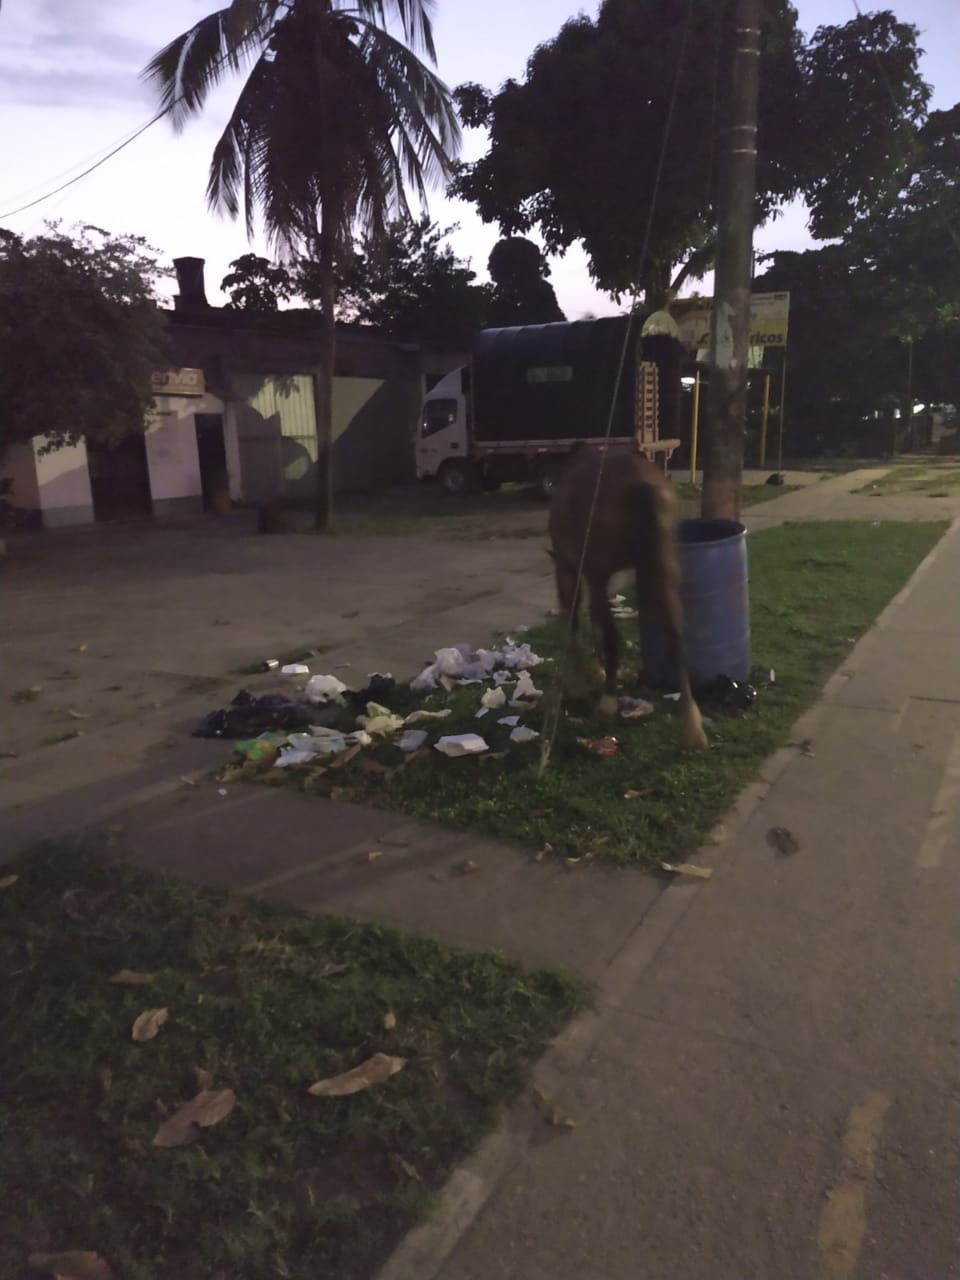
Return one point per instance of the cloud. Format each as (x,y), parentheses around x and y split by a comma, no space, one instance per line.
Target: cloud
(79,53)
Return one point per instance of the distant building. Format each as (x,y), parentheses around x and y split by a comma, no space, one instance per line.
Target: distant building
(235,414)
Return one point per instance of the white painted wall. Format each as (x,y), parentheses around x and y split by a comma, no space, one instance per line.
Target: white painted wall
(171,441)
(63,480)
(20,466)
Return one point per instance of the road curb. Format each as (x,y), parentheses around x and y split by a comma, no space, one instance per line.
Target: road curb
(425,1250)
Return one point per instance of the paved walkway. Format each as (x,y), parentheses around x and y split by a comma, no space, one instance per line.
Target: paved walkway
(768,1087)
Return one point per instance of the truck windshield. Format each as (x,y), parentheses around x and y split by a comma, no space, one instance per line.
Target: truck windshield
(438,414)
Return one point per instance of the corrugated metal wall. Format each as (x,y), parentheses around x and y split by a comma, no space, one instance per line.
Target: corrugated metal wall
(278,409)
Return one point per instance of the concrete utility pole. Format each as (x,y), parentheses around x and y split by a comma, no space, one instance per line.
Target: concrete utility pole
(730,328)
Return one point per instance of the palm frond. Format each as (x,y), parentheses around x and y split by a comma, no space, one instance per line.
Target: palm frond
(190,66)
(416,21)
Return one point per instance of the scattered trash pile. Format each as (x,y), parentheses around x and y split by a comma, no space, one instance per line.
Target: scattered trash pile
(287,731)
(308,728)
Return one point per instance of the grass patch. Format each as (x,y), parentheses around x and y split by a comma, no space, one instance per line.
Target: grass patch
(288,1184)
(815,589)
(751,494)
(932,479)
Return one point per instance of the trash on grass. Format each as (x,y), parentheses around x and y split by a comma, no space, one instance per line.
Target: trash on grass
(8,881)
(380,688)
(247,716)
(604,747)
(263,749)
(380,721)
(512,721)
(635,708)
(370,856)
(421,717)
(731,693)
(412,739)
(269,664)
(782,840)
(484,711)
(687,869)
(321,689)
(525,690)
(295,669)
(374,1071)
(493,698)
(389,1021)
(208,1108)
(523,734)
(672,697)
(632,794)
(461,744)
(468,868)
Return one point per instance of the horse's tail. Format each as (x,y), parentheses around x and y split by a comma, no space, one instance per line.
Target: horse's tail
(661,530)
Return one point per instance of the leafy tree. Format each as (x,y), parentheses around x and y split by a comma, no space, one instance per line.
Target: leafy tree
(575,147)
(411,285)
(336,117)
(258,285)
(893,280)
(80,333)
(521,293)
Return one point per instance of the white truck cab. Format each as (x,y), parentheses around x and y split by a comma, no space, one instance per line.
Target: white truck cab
(443,440)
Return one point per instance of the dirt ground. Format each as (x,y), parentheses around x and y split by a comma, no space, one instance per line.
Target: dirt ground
(105,625)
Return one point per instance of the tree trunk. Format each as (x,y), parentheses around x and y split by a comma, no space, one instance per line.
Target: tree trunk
(324,391)
(730,329)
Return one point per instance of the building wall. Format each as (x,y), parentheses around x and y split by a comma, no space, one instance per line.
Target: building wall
(63,481)
(171,441)
(19,465)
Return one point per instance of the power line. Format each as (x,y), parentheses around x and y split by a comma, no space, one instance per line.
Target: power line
(10,213)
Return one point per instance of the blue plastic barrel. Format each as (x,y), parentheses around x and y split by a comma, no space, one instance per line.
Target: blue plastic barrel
(716,607)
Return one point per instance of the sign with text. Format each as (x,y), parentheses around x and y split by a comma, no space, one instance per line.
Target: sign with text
(177,382)
(769,316)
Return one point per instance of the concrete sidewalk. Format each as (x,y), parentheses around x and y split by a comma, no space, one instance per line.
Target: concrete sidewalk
(769,1086)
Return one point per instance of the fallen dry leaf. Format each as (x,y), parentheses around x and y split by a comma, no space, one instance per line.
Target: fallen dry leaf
(403,1168)
(783,840)
(204,1079)
(374,1071)
(209,1107)
(688,869)
(75,1264)
(389,1021)
(371,856)
(7,881)
(147,1025)
(131,978)
(331,970)
(632,795)
(550,1112)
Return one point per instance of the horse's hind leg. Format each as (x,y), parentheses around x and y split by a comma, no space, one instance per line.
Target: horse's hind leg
(607,641)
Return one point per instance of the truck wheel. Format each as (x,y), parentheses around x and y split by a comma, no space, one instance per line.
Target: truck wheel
(548,473)
(457,477)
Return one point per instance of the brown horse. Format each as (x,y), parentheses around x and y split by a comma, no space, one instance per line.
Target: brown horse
(633,527)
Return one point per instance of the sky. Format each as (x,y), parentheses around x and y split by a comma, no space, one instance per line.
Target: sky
(69,92)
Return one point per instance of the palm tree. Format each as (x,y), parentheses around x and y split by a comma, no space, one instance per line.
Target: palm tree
(336,119)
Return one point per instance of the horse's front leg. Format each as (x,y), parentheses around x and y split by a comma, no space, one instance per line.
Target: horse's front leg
(607,642)
(575,676)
